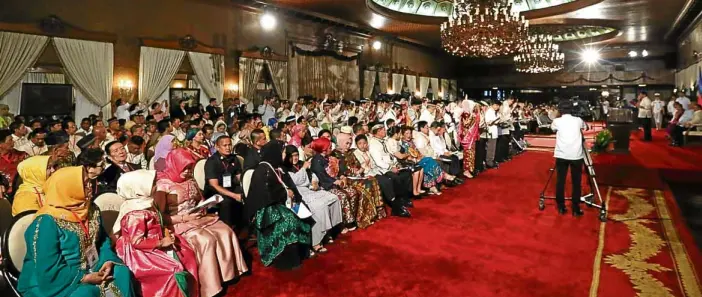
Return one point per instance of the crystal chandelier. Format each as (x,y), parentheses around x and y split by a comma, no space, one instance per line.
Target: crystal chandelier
(539,55)
(483,28)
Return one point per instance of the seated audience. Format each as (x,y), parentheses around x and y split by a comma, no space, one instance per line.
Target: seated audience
(163,264)
(325,206)
(223,176)
(216,246)
(282,238)
(59,260)
(36,145)
(195,143)
(116,166)
(9,160)
(397,195)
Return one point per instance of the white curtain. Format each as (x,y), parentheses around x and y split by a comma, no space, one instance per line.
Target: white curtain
(18,52)
(398,81)
(453,90)
(435,86)
(209,74)
(249,74)
(384,81)
(445,88)
(84,107)
(157,68)
(192,84)
(368,83)
(412,84)
(423,86)
(687,77)
(89,64)
(279,75)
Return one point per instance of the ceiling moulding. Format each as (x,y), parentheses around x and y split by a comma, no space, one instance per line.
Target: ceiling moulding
(576,33)
(185,43)
(436,11)
(56,27)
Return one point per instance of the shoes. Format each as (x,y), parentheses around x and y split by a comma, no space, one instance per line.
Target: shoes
(400,211)
(459,181)
(578,212)
(407,203)
(562,210)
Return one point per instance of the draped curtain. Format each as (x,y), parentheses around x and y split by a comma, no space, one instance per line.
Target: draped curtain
(453,90)
(209,74)
(398,81)
(445,88)
(89,64)
(368,83)
(384,81)
(249,74)
(279,75)
(18,52)
(157,68)
(423,86)
(687,77)
(320,75)
(435,86)
(412,84)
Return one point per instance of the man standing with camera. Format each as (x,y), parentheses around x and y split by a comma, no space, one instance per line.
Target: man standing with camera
(569,153)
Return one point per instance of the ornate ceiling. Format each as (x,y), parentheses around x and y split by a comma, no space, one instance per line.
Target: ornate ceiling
(443,8)
(612,22)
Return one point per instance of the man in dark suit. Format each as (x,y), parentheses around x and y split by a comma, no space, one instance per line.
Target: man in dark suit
(117,165)
(181,110)
(214,110)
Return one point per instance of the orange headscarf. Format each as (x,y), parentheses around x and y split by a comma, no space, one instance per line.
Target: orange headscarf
(65,195)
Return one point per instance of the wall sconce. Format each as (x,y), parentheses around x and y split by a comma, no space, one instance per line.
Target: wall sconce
(178,85)
(232,91)
(126,88)
(418,93)
(441,94)
(391,92)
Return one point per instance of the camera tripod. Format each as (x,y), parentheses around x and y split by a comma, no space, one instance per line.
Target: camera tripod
(594,199)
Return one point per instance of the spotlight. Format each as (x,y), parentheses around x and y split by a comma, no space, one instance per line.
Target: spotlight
(644,53)
(590,56)
(377,21)
(633,54)
(377,45)
(268,21)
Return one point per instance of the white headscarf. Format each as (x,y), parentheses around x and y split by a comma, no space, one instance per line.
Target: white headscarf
(135,188)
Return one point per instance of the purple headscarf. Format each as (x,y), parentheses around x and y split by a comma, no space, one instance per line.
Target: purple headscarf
(163,147)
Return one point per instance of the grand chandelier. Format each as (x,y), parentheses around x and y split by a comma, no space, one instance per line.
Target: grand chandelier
(483,28)
(539,55)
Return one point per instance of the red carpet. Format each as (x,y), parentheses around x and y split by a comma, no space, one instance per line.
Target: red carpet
(487,238)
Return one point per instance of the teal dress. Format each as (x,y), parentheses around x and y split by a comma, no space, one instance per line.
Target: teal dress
(55,261)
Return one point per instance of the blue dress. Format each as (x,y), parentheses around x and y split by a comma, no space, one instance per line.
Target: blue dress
(56,262)
(433,174)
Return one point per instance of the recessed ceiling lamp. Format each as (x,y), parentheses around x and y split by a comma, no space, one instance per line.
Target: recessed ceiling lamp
(268,21)
(590,56)
(377,21)
(644,53)
(633,54)
(377,45)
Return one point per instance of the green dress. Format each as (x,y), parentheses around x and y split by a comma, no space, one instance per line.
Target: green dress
(276,228)
(55,261)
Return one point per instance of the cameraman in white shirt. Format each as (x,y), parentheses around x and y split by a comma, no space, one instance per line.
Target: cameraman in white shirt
(569,153)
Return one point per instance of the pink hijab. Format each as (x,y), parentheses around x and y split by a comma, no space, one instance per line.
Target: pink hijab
(295,138)
(176,162)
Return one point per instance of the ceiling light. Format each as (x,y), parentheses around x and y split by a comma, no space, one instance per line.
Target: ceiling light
(604,86)
(563,87)
(633,54)
(644,53)
(377,21)
(268,21)
(494,88)
(642,85)
(590,56)
(377,45)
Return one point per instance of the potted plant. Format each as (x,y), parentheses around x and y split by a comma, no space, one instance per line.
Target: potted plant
(603,141)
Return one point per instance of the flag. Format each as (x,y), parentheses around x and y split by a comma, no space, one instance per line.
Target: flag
(699,86)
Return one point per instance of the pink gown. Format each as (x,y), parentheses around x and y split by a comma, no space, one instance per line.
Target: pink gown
(215,244)
(154,269)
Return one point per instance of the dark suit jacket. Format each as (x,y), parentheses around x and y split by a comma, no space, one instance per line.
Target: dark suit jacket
(214,111)
(107,181)
(178,113)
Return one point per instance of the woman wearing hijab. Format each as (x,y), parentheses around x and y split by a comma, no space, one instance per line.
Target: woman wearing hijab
(283,238)
(325,206)
(163,147)
(220,126)
(215,244)
(68,252)
(163,264)
(423,155)
(327,167)
(195,143)
(30,194)
(468,134)
(298,133)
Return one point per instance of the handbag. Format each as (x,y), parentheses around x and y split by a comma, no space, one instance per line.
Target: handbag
(300,209)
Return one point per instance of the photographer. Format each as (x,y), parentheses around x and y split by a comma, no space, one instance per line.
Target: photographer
(569,153)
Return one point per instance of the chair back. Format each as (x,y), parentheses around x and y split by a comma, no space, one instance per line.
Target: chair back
(109,205)
(199,173)
(14,247)
(5,215)
(151,164)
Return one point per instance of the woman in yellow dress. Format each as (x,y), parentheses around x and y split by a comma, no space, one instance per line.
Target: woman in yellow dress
(30,194)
